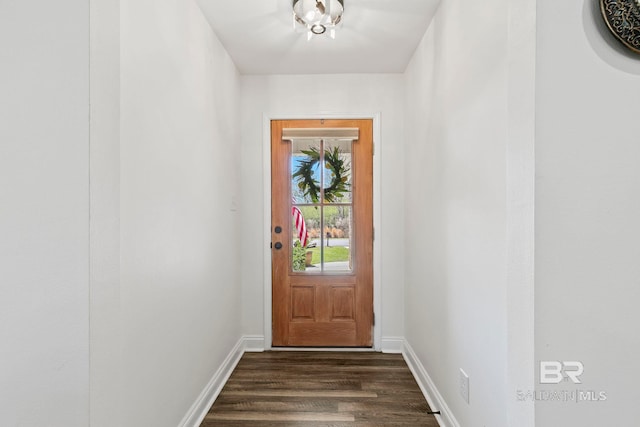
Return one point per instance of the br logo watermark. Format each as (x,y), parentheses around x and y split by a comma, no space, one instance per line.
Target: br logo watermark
(552,372)
(555,372)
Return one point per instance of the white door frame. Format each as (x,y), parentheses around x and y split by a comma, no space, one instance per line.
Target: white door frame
(377,247)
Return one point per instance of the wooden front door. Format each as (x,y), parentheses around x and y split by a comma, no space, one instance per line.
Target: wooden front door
(322,232)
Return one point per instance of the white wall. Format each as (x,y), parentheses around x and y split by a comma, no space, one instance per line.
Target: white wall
(296,95)
(44,213)
(587,210)
(456,207)
(104,175)
(180,286)
(521,211)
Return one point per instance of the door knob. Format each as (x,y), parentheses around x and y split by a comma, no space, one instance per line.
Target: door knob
(278,245)
(278,230)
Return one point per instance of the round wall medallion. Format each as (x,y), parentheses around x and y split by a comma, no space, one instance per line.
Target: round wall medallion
(623,19)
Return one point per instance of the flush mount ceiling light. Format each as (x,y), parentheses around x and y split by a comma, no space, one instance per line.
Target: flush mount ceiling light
(318,16)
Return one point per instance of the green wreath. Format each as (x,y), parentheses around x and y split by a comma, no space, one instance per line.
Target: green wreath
(339,175)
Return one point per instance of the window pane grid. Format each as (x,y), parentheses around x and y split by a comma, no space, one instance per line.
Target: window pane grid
(322,194)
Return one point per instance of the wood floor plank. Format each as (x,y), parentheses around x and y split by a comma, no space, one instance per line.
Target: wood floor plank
(280,416)
(304,393)
(320,389)
(283,406)
(304,384)
(264,423)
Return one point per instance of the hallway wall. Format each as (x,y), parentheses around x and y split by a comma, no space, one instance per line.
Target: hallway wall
(456,207)
(44,213)
(587,210)
(179,234)
(296,95)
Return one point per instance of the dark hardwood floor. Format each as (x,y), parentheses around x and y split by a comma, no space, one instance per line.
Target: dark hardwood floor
(313,389)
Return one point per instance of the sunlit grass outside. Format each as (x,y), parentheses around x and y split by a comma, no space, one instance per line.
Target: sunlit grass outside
(331,254)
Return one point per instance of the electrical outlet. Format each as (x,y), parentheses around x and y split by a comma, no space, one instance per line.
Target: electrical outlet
(464,385)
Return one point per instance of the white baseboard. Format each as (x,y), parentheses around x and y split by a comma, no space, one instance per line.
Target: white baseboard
(392,345)
(199,409)
(429,389)
(253,343)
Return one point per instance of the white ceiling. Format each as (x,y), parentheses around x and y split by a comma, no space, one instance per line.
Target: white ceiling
(377,36)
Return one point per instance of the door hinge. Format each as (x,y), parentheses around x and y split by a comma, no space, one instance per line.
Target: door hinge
(374,319)
(373,234)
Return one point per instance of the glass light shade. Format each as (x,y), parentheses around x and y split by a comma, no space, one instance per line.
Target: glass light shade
(318,16)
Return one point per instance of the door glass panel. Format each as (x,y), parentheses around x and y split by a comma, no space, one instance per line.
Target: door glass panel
(305,171)
(337,245)
(321,215)
(305,219)
(336,175)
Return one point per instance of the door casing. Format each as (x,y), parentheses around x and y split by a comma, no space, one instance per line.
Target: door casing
(377,247)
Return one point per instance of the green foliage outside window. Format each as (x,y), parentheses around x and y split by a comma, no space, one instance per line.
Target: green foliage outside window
(299,256)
